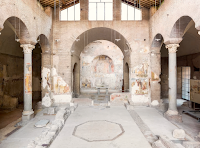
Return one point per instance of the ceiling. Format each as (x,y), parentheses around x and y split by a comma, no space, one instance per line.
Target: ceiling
(68,3)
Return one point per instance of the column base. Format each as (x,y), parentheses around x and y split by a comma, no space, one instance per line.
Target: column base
(173,116)
(27,116)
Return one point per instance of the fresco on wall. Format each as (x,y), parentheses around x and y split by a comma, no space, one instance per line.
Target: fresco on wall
(101,65)
(59,85)
(141,70)
(154,77)
(139,86)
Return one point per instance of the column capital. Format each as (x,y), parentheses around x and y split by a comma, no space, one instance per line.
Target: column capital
(172,47)
(27,48)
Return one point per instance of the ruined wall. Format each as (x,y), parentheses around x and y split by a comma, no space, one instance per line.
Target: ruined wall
(101,64)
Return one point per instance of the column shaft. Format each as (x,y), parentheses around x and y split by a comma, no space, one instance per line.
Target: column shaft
(172,110)
(172,82)
(27,48)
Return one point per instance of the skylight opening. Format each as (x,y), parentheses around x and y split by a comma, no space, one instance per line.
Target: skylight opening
(100,10)
(71,14)
(130,13)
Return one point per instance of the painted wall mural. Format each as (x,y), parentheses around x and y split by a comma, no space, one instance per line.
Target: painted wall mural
(101,64)
(139,86)
(139,81)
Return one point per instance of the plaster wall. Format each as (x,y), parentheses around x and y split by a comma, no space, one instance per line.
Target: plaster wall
(101,64)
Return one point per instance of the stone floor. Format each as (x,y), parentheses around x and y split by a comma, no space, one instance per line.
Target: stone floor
(21,138)
(99,126)
(115,117)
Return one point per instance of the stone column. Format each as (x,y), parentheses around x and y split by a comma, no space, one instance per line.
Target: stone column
(28,111)
(172,113)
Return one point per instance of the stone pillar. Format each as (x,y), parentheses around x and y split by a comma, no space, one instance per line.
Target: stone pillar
(28,111)
(172,113)
(155,60)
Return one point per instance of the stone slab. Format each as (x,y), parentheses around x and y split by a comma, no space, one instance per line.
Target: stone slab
(132,137)
(41,123)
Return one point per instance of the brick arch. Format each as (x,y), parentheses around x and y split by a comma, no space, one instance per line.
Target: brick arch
(167,19)
(100,33)
(20,29)
(36,20)
(157,42)
(44,43)
(180,26)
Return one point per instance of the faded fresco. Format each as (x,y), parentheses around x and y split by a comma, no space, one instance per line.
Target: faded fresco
(28,79)
(154,77)
(101,64)
(139,81)
(139,86)
(59,85)
(141,70)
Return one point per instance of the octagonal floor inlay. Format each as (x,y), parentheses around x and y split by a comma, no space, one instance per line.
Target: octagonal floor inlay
(98,131)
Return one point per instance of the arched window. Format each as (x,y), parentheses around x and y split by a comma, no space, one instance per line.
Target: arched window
(100,10)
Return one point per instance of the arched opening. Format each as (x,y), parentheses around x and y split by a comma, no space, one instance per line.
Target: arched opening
(104,43)
(187,63)
(101,66)
(11,70)
(126,78)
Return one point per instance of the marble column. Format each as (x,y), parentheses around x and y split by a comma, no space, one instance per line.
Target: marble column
(172,113)
(28,111)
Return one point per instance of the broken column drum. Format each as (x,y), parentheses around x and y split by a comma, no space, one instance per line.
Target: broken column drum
(28,111)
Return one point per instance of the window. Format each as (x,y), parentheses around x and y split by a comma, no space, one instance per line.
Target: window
(100,10)
(71,14)
(130,13)
(186,83)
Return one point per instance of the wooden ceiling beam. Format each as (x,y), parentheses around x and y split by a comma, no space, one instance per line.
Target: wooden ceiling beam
(66,3)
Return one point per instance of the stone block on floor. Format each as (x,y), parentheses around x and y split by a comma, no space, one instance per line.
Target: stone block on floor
(41,123)
(179,134)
